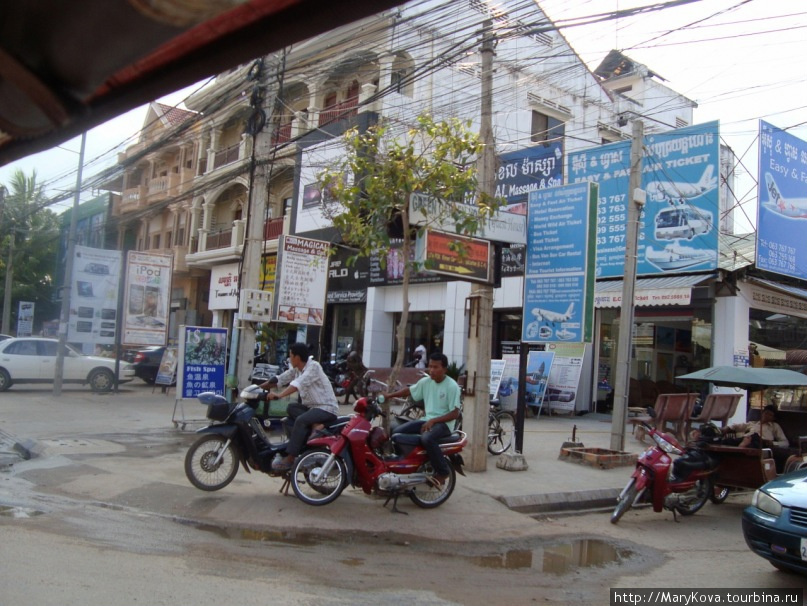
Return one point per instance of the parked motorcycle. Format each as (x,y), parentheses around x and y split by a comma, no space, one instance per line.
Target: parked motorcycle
(237,434)
(336,371)
(356,455)
(682,485)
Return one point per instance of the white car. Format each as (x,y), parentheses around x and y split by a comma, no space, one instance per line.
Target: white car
(33,360)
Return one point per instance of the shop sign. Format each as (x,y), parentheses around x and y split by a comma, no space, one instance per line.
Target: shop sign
(454,255)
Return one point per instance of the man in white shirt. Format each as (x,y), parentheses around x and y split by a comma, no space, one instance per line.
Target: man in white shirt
(319,404)
(421,355)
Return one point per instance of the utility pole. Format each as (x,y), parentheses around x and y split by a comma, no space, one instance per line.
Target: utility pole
(258,200)
(9,269)
(625,338)
(67,286)
(475,418)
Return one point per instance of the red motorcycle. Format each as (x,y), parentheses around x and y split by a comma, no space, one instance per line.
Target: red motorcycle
(360,455)
(681,485)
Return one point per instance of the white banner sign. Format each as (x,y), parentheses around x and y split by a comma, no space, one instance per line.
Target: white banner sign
(94,296)
(25,319)
(147,299)
(224,286)
(302,279)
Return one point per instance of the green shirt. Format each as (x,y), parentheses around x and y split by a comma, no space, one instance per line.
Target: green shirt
(438,398)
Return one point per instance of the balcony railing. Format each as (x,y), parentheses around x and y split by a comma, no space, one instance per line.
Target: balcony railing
(340,110)
(282,134)
(272,228)
(226,156)
(219,239)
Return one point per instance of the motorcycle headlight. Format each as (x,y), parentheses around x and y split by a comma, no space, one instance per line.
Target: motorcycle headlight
(666,446)
(765,502)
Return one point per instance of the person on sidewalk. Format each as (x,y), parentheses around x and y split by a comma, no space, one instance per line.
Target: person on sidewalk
(356,371)
(420,354)
(317,403)
(441,398)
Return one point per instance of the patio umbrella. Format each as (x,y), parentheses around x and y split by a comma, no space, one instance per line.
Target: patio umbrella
(751,379)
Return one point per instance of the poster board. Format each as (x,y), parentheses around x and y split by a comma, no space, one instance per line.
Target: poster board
(302,278)
(564,379)
(147,298)
(202,359)
(539,366)
(496,373)
(167,372)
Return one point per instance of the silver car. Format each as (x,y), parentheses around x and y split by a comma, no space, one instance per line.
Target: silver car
(33,360)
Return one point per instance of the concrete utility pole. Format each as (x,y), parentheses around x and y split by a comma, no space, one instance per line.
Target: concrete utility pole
(7,292)
(254,239)
(67,286)
(625,339)
(475,417)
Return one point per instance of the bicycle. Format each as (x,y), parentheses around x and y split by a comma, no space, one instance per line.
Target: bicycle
(501,424)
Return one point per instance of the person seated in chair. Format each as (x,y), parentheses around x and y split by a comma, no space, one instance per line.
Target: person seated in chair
(765,433)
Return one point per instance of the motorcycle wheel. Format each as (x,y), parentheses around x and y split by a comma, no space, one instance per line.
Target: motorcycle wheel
(626,502)
(696,498)
(501,429)
(413,411)
(428,496)
(719,494)
(200,466)
(312,490)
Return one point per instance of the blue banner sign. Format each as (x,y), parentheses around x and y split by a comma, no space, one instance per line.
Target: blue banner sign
(204,356)
(782,208)
(678,229)
(559,276)
(527,170)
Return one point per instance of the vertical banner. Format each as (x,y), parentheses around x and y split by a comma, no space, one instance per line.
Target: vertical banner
(147,298)
(25,319)
(539,365)
(782,209)
(564,379)
(302,278)
(679,224)
(202,359)
(94,296)
(559,274)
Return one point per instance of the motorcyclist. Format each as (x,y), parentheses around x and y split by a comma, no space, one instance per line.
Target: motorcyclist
(441,396)
(317,404)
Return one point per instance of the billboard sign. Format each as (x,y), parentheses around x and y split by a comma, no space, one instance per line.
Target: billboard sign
(302,278)
(678,230)
(782,208)
(559,274)
(527,170)
(147,298)
(94,296)
(202,359)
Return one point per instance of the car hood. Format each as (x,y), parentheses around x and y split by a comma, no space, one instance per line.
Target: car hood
(789,489)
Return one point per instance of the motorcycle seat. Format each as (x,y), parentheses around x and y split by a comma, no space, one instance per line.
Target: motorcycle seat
(413,439)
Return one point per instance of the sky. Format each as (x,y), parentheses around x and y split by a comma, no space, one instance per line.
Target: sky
(740,60)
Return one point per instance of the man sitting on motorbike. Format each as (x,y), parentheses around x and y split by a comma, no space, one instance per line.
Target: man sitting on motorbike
(318,402)
(441,397)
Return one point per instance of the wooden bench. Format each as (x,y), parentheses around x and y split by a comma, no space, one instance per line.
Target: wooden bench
(717,407)
(671,413)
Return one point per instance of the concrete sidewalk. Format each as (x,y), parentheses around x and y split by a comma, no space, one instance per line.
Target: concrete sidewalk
(124,449)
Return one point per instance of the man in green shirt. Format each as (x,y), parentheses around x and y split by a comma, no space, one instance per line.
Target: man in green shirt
(441,398)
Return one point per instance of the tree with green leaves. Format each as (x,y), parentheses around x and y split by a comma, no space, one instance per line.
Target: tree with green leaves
(368,189)
(35,232)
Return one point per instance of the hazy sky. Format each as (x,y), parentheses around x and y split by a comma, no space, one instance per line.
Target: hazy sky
(740,60)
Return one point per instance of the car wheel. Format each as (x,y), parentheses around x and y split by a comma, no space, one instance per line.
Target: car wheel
(5,379)
(101,380)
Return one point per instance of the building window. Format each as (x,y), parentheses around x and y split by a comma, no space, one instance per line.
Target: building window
(155,241)
(168,241)
(546,128)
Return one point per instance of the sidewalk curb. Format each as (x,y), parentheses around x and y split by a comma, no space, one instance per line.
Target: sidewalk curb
(562,501)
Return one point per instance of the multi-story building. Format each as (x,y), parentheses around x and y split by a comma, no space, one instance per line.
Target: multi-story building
(266,129)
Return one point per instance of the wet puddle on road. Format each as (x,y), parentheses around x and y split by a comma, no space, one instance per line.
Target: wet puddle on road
(557,558)
(554,558)
(19,512)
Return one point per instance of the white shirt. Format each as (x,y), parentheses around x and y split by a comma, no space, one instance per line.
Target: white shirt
(421,349)
(313,384)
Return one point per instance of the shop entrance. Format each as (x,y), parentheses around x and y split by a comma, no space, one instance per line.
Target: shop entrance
(426,327)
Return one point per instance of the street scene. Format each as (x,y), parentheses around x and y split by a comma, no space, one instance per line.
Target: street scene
(104,503)
(435,302)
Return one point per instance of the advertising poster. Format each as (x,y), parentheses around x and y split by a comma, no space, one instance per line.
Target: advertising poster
(564,378)
(496,373)
(167,372)
(224,286)
(559,274)
(782,209)
(202,360)
(508,386)
(25,319)
(539,365)
(94,297)
(527,170)
(302,278)
(147,298)
(679,224)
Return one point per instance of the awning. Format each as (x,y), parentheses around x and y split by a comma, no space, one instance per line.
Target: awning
(669,290)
